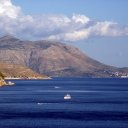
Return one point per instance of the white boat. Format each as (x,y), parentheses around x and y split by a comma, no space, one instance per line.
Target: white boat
(10,83)
(67,97)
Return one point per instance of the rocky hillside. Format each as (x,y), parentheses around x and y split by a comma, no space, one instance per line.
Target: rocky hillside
(53,58)
(11,70)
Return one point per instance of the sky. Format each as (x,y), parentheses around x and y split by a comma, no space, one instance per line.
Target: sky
(98,27)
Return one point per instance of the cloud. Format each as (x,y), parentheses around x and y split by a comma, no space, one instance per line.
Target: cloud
(54,27)
(9,10)
(80,19)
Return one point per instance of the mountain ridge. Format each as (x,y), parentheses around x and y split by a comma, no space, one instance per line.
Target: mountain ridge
(53,58)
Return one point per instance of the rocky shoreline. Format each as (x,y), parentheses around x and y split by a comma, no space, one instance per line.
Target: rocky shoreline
(2,82)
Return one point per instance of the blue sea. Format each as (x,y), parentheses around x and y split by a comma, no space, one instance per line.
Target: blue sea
(94,103)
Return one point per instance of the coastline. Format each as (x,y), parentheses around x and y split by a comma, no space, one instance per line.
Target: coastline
(27,78)
(4,83)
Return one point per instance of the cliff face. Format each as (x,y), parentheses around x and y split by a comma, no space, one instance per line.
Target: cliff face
(51,58)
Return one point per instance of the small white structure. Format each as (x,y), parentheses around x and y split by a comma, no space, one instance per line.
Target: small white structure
(67,97)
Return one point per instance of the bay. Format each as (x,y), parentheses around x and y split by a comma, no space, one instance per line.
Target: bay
(95,103)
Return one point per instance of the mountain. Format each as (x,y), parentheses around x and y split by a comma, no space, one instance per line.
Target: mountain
(53,58)
(18,71)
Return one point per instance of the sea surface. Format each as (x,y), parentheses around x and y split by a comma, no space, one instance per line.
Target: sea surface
(95,103)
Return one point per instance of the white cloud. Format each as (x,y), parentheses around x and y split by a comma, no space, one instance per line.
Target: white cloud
(54,27)
(80,19)
(106,29)
(7,9)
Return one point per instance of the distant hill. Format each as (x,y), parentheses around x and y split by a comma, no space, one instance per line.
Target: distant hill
(11,70)
(53,59)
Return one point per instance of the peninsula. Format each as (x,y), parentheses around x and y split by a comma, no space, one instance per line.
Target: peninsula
(13,71)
